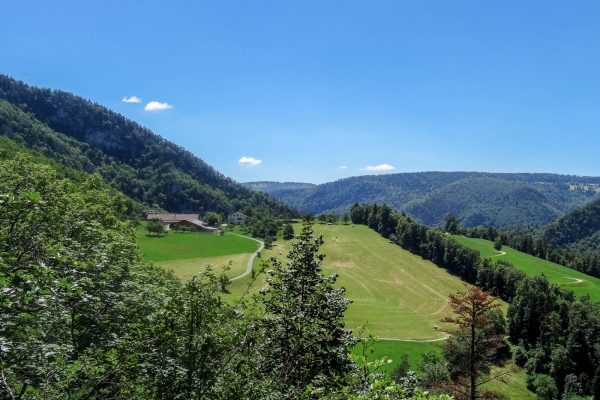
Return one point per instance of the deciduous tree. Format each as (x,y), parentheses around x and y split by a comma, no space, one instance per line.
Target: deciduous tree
(471,351)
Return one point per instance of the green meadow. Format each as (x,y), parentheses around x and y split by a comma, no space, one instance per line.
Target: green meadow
(570,279)
(400,294)
(187,253)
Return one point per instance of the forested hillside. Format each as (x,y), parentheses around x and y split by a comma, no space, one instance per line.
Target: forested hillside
(130,158)
(501,200)
(578,230)
(269,186)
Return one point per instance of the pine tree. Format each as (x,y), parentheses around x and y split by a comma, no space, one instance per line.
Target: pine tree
(305,340)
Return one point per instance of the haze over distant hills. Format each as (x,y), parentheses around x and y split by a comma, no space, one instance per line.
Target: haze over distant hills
(477,198)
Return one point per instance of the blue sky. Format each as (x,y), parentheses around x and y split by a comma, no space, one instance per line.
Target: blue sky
(310,87)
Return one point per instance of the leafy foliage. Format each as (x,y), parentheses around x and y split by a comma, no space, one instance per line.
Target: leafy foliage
(305,340)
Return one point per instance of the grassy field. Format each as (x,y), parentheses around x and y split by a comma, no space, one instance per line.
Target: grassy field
(512,384)
(569,279)
(393,349)
(402,295)
(187,253)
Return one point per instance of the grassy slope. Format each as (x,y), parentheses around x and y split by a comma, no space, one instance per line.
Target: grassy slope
(563,276)
(186,254)
(398,307)
(402,295)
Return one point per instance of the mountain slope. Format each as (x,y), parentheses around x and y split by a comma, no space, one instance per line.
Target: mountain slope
(488,201)
(578,230)
(483,198)
(131,158)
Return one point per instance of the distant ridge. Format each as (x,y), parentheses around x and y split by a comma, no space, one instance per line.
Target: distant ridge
(270,186)
(477,198)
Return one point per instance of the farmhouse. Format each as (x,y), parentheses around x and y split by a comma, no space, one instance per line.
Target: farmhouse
(196,224)
(237,218)
(190,220)
(170,218)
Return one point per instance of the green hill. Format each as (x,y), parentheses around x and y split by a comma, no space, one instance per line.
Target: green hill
(132,159)
(569,279)
(578,230)
(503,200)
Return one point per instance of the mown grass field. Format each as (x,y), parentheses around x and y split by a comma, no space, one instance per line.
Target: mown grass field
(187,253)
(401,295)
(569,279)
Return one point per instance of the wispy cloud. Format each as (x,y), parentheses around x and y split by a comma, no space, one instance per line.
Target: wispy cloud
(382,167)
(343,167)
(249,162)
(132,99)
(156,106)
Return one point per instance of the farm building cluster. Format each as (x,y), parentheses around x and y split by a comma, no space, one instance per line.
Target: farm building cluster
(192,221)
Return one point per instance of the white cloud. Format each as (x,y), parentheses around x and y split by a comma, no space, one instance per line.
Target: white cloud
(382,167)
(249,162)
(155,106)
(343,167)
(132,99)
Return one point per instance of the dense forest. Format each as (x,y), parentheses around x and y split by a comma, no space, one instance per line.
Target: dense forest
(578,230)
(500,200)
(130,158)
(554,335)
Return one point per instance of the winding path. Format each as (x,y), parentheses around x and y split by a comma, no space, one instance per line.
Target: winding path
(251,260)
(577,280)
(414,340)
(498,255)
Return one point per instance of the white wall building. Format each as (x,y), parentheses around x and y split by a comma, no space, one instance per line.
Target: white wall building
(237,218)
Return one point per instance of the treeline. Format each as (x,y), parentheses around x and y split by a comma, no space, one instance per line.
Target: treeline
(587,263)
(130,158)
(554,335)
(83,317)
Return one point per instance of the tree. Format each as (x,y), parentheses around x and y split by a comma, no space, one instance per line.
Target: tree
(322,218)
(471,351)
(433,368)
(248,211)
(498,243)
(545,388)
(288,231)
(451,224)
(305,340)
(346,218)
(157,226)
(212,218)
(308,217)
(400,371)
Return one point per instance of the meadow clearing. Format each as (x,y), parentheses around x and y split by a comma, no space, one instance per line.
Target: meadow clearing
(187,253)
(400,294)
(570,279)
